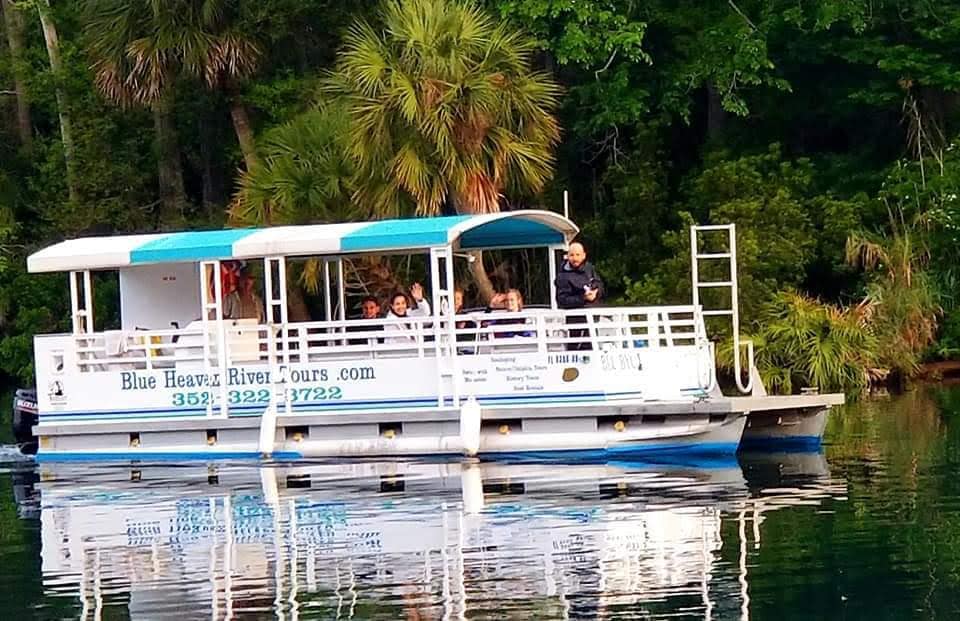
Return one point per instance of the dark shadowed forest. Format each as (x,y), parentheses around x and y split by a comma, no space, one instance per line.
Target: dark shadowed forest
(825,129)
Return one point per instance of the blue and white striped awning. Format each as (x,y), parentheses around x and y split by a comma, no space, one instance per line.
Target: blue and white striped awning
(513,229)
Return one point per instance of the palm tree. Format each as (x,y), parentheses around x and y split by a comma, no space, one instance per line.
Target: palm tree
(301,179)
(52,40)
(445,111)
(13,20)
(304,174)
(304,177)
(140,47)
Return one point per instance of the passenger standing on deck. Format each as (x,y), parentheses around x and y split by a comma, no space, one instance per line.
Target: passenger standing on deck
(405,332)
(578,286)
(242,302)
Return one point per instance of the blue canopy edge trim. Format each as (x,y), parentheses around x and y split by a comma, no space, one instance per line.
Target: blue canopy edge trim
(401,234)
(190,246)
(511,232)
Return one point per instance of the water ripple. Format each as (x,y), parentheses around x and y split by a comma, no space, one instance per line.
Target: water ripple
(868,529)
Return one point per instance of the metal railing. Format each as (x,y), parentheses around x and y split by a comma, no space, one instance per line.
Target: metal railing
(478,333)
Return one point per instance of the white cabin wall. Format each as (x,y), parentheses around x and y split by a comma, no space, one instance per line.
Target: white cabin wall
(151,296)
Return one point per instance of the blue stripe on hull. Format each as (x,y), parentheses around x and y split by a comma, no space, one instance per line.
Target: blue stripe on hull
(257,409)
(790,444)
(707,453)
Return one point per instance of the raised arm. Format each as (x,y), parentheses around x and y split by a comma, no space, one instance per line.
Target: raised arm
(422,309)
(421,306)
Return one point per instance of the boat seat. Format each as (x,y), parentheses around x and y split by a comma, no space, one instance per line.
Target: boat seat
(243,340)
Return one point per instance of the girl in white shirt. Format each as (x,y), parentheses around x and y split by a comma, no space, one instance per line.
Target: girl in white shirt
(404,332)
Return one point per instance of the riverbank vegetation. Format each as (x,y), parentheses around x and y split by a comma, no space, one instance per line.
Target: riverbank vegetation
(826,130)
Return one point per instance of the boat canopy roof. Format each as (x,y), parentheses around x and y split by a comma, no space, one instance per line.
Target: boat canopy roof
(509,229)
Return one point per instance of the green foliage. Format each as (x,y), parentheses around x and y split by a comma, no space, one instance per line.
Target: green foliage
(581,33)
(948,343)
(901,300)
(29,305)
(444,106)
(764,196)
(802,342)
(668,111)
(629,227)
(304,176)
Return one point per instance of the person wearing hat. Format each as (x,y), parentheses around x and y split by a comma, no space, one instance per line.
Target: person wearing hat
(242,302)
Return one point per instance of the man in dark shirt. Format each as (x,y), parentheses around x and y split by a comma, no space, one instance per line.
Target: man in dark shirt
(578,286)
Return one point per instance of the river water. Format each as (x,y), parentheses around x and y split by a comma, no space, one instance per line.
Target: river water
(867,529)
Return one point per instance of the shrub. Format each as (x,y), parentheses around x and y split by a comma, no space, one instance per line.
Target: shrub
(804,342)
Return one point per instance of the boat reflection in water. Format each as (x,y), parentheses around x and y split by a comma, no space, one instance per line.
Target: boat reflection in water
(413,540)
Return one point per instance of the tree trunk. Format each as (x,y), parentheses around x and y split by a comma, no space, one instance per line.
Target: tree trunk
(66,126)
(14,23)
(241,124)
(480,277)
(214,197)
(716,115)
(169,169)
(477,270)
(297,310)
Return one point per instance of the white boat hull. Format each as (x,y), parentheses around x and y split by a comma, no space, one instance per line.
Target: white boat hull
(589,430)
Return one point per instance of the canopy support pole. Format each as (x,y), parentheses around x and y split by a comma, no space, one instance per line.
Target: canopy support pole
(341,297)
(445,328)
(275,279)
(81,302)
(210,272)
(552,261)
(327,304)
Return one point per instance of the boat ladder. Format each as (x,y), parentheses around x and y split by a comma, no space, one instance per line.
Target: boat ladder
(747,386)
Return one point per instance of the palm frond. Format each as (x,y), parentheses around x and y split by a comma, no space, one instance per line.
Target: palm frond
(304,176)
(139,46)
(444,107)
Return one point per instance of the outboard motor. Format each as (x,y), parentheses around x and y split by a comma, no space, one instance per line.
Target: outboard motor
(24,418)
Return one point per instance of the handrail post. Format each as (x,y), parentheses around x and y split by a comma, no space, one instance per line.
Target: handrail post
(216,307)
(552,266)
